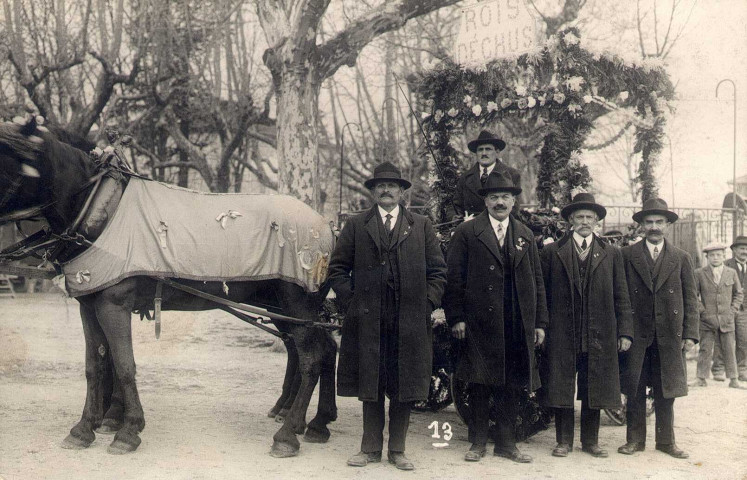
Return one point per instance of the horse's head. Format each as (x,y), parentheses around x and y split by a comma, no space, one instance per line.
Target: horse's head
(19,166)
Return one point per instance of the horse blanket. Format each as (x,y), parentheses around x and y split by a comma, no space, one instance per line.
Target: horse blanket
(164,230)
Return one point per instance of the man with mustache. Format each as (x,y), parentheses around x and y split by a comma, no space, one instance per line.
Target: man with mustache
(388,270)
(495,302)
(590,321)
(661,284)
(738,262)
(467,199)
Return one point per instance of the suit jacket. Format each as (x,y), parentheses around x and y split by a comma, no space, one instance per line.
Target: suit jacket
(609,318)
(732,262)
(665,311)
(466,197)
(358,274)
(475,269)
(720,303)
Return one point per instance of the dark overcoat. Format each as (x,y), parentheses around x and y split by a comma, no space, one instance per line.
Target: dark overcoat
(608,316)
(357,273)
(466,197)
(675,301)
(474,266)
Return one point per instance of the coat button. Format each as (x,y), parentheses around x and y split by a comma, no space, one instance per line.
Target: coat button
(369,267)
(492,267)
(675,312)
(671,290)
(383,262)
(490,309)
(490,287)
(635,290)
(365,310)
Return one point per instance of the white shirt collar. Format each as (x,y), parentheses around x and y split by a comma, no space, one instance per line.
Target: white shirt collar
(719,269)
(394,213)
(490,168)
(651,246)
(579,239)
(494,223)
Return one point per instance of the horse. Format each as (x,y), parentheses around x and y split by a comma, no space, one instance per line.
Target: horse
(42,173)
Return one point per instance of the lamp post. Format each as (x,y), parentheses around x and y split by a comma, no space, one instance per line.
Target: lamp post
(734,173)
(342,159)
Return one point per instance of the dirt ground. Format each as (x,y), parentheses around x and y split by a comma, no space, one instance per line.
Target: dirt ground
(208,382)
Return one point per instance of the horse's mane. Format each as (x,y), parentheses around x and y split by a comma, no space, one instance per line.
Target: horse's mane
(22,140)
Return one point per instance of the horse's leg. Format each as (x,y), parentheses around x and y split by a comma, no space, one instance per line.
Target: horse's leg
(291,372)
(113,307)
(114,408)
(317,431)
(295,385)
(285,443)
(81,435)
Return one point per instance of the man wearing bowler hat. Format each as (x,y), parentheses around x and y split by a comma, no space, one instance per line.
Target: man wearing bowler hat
(388,271)
(738,262)
(590,321)
(467,199)
(495,302)
(661,284)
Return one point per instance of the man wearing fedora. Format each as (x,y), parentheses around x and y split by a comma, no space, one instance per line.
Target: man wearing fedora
(738,262)
(661,284)
(495,302)
(388,271)
(467,199)
(590,321)
(721,296)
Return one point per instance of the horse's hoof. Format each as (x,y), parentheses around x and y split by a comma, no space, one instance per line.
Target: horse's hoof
(109,427)
(272,413)
(75,443)
(279,418)
(315,436)
(283,450)
(118,447)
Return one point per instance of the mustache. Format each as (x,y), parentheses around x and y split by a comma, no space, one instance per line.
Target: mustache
(655,232)
(499,207)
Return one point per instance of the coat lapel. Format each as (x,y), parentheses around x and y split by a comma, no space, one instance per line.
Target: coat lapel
(565,253)
(669,263)
(598,253)
(638,259)
(709,273)
(372,227)
(405,229)
(472,180)
(518,244)
(484,232)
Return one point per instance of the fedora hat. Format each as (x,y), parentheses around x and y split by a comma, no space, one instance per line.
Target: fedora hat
(583,201)
(498,182)
(484,138)
(740,240)
(387,172)
(714,246)
(655,206)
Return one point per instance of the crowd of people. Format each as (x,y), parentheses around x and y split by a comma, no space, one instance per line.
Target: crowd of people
(610,320)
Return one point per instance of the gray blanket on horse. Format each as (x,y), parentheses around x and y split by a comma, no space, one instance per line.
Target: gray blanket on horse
(163,230)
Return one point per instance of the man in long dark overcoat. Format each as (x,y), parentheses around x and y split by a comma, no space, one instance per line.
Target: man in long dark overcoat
(495,302)
(388,268)
(486,148)
(590,320)
(664,300)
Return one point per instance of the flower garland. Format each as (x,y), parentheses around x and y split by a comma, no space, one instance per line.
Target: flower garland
(559,88)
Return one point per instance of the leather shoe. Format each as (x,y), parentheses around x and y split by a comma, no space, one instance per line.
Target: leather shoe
(719,377)
(561,450)
(595,451)
(734,383)
(672,450)
(361,459)
(513,454)
(399,460)
(702,382)
(475,453)
(631,447)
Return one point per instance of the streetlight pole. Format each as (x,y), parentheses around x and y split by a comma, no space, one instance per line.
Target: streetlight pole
(734,173)
(342,159)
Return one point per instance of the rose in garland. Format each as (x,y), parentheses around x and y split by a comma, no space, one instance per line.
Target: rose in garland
(559,97)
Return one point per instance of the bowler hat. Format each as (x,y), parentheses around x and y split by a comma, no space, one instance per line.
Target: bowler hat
(484,138)
(714,246)
(655,206)
(498,182)
(583,201)
(740,240)
(387,172)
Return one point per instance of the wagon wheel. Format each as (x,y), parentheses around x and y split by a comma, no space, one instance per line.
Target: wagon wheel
(619,415)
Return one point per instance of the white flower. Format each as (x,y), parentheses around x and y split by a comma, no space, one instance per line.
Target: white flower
(477,110)
(570,39)
(542,99)
(555,210)
(574,108)
(548,240)
(587,98)
(554,82)
(505,103)
(623,96)
(425,115)
(438,116)
(492,107)
(521,90)
(577,190)
(453,112)
(97,152)
(574,83)
(531,102)
(559,97)
(468,216)
(467,100)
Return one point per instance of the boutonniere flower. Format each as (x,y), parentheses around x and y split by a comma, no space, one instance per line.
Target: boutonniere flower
(520,244)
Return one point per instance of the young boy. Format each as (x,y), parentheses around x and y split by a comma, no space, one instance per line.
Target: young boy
(720,297)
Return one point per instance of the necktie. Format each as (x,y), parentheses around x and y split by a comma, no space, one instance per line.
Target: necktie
(656,253)
(584,250)
(500,234)
(484,176)
(388,223)
(583,245)
(717,275)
